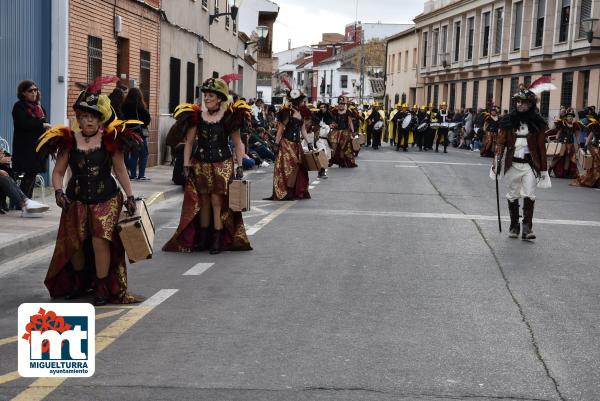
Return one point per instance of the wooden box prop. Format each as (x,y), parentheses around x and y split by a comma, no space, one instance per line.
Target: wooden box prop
(137,233)
(239,195)
(555,149)
(315,160)
(585,160)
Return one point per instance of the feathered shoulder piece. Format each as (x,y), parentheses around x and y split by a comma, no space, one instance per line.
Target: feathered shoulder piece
(188,113)
(120,135)
(593,125)
(236,114)
(56,140)
(559,123)
(486,116)
(305,112)
(284,114)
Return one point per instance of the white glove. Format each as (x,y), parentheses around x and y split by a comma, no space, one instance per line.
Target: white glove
(544,181)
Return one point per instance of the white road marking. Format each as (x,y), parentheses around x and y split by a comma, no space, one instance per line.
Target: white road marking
(266,220)
(198,269)
(23,261)
(158,298)
(311,187)
(315,182)
(427,162)
(449,216)
(406,166)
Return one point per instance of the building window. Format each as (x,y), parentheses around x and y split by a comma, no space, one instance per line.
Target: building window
(444,40)
(425,48)
(396,99)
(585,13)
(489,93)
(566,92)
(216,6)
(145,75)
(189,87)
(205,3)
(545,101)
(398,66)
(259,94)
(436,92)
(174,83)
(428,94)
(227,16)
(94,50)
(475,95)
(565,16)
(463,95)
(393,64)
(486,34)
(586,87)
(344,81)
(406,61)
(452,98)
(414,63)
(539,25)
(470,38)
(456,41)
(123,61)
(435,45)
(403,98)
(498,33)
(527,80)
(517,26)
(514,85)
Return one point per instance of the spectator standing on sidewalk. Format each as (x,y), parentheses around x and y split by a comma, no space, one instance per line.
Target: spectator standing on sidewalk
(29,121)
(116,100)
(134,108)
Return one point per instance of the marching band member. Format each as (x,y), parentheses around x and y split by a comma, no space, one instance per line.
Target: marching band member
(522,135)
(392,123)
(442,132)
(375,123)
(340,137)
(404,135)
(290,177)
(566,130)
(423,127)
(89,253)
(206,220)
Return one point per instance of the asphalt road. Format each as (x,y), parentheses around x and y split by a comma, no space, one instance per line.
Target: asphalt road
(392,283)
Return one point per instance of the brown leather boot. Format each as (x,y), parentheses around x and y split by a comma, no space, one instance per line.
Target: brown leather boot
(78,289)
(527,233)
(515,227)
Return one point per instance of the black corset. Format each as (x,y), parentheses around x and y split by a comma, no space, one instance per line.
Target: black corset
(341,120)
(566,135)
(213,143)
(91,181)
(292,130)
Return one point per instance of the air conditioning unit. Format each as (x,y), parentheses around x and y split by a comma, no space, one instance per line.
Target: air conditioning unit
(200,48)
(118,24)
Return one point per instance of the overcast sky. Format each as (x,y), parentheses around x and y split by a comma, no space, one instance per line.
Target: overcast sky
(303,21)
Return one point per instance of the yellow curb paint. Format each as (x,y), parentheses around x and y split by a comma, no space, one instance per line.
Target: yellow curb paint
(42,387)
(8,340)
(9,377)
(155,198)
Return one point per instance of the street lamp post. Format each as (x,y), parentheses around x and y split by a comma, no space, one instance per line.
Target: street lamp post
(588,26)
(235,7)
(262,33)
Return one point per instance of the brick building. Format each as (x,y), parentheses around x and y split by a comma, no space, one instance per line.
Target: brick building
(117,37)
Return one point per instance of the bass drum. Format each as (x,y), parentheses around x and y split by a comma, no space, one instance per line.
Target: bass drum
(406,121)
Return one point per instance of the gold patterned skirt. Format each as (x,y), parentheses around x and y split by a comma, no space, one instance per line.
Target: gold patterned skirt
(342,153)
(78,224)
(591,178)
(565,166)
(290,177)
(205,179)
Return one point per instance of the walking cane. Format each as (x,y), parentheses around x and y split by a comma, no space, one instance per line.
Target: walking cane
(498,196)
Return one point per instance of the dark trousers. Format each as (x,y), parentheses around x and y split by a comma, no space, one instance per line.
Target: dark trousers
(8,187)
(402,138)
(442,134)
(376,137)
(369,137)
(428,139)
(264,152)
(139,157)
(27,184)
(419,136)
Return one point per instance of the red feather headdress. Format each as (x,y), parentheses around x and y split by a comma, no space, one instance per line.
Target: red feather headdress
(231,77)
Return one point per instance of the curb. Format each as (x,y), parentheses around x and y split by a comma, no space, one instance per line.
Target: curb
(30,243)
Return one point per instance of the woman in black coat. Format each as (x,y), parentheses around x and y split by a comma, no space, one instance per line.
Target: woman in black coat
(134,108)
(29,121)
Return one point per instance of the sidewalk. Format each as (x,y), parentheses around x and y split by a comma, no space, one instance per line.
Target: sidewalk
(22,235)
